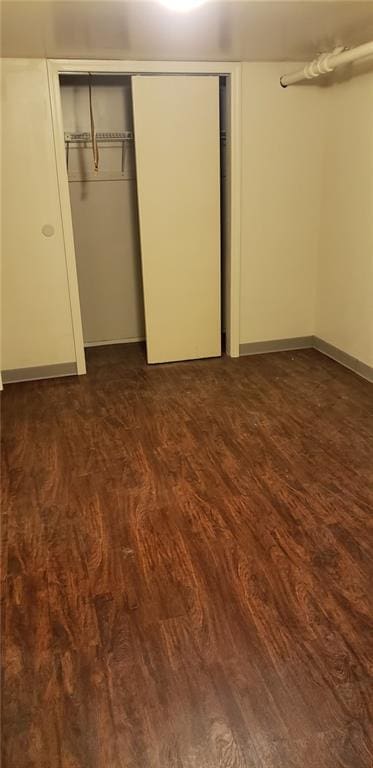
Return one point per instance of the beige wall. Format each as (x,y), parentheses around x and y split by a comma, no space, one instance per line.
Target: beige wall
(307,188)
(344,315)
(36,317)
(307,210)
(104,212)
(282,133)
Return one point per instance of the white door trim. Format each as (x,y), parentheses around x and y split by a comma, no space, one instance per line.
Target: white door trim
(231,69)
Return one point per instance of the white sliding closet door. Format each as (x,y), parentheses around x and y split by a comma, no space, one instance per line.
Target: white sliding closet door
(177,160)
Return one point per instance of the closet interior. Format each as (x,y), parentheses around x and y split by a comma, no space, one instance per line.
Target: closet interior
(105,206)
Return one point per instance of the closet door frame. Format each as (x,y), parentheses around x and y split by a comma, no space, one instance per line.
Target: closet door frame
(232,71)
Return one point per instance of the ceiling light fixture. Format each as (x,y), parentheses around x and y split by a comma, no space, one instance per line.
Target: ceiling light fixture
(182,5)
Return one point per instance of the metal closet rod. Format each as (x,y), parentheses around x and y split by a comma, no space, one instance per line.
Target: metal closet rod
(327,62)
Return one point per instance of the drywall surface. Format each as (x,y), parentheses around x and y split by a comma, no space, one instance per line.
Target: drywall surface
(109,274)
(213,31)
(36,318)
(104,211)
(282,143)
(344,314)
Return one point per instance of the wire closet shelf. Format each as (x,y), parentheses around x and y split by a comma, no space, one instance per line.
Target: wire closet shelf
(85,137)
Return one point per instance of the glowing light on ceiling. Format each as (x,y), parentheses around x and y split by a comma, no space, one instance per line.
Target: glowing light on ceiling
(182,5)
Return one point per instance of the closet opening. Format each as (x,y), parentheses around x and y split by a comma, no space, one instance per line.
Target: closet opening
(224,204)
(106,206)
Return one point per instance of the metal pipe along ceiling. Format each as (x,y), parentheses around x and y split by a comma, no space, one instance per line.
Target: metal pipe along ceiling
(327,62)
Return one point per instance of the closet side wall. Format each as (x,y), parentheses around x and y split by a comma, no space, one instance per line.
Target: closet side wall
(344,316)
(36,317)
(104,212)
(282,142)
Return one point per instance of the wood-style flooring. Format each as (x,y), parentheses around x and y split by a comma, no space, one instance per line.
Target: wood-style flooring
(187,568)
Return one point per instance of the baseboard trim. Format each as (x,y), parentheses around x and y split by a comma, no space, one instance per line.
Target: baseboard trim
(348,361)
(39,372)
(309,342)
(251,348)
(276,345)
(108,343)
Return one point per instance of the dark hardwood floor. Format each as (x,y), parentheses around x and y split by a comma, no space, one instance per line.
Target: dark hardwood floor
(186,568)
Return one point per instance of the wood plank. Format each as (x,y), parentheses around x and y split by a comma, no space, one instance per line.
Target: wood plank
(187,565)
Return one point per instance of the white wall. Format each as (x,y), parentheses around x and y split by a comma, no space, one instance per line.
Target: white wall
(344,314)
(104,211)
(283,132)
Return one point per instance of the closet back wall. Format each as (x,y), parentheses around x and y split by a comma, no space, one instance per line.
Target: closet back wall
(104,211)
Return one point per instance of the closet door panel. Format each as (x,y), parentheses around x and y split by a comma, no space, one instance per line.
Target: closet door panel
(36,317)
(177,161)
